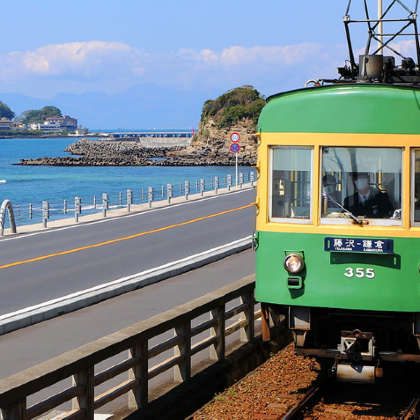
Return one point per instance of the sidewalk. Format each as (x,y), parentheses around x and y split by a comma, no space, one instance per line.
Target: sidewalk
(120,212)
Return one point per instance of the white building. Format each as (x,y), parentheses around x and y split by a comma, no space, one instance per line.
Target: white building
(55,125)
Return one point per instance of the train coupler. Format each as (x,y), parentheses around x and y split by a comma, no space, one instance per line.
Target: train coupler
(357,345)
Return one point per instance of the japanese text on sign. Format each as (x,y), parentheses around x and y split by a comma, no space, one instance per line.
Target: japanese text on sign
(378,246)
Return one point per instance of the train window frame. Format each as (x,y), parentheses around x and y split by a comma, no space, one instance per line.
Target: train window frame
(346,220)
(413,221)
(294,220)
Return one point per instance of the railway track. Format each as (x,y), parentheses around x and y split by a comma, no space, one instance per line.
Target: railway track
(412,411)
(310,408)
(289,387)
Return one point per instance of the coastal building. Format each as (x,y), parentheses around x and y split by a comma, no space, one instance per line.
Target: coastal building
(6,123)
(66,123)
(81,131)
(56,125)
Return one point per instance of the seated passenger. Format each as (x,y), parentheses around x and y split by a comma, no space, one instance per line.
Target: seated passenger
(368,201)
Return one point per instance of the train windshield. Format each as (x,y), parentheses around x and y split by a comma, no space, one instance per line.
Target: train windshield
(291,183)
(364,182)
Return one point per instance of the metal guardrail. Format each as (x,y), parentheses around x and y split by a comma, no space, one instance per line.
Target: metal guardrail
(45,211)
(7,206)
(223,317)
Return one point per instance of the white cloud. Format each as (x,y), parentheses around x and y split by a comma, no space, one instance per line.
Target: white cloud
(405,48)
(238,56)
(115,66)
(289,55)
(279,66)
(93,59)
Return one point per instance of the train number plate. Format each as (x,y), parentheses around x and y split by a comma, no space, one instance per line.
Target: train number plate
(368,245)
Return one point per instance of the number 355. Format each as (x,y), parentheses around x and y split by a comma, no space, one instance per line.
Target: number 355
(360,272)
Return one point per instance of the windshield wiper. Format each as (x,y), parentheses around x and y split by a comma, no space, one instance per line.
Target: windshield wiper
(348,213)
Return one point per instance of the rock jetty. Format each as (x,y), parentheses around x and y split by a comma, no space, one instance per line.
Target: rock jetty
(120,153)
(104,153)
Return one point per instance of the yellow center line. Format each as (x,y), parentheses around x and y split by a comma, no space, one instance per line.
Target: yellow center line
(70,251)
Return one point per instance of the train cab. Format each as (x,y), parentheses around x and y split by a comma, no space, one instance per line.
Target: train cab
(338,224)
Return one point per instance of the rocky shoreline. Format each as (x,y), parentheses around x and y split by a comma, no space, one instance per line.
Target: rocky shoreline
(124,153)
(170,161)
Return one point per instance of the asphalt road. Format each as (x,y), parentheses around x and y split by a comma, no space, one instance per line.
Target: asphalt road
(30,346)
(133,243)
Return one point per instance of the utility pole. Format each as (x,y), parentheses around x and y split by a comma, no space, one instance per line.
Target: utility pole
(380,28)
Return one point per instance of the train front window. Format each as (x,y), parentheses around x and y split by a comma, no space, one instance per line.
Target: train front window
(361,182)
(290,184)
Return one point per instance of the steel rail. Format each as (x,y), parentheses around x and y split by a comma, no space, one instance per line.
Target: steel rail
(411,411)
(307,399)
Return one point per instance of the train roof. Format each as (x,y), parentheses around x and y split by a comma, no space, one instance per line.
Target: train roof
(343,84)
(344,108)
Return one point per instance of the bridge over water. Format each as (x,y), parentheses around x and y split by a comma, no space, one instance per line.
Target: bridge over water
(152,134)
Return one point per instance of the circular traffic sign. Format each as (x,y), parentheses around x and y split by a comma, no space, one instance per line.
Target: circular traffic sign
(235,137)
(234,148)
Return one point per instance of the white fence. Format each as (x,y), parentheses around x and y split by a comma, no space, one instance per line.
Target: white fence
(45,211)
(201,325)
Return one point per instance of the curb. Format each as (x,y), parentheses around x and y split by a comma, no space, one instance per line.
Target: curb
(60,306)
(117,212)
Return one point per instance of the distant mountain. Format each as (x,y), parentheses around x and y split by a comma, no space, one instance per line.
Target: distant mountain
(143,106)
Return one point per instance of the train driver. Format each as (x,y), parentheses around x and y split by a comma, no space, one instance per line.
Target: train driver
(368,201)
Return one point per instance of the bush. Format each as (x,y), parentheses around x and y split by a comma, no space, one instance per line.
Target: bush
(6,112)
(39,115)
(234,105)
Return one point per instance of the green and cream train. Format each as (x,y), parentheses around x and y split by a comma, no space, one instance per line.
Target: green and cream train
(338,223)
(343,269)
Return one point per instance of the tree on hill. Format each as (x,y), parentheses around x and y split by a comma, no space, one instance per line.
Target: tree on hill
(34,116)
(236,110)
(234,105)
(6,112)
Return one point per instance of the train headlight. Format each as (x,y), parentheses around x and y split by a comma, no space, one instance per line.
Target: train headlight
(294,263)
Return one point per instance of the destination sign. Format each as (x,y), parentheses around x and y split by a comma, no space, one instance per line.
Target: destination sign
(373,246)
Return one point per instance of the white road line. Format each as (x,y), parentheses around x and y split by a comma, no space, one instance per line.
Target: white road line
(120,281)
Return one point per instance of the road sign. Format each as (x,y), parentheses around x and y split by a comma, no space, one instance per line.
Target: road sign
(235,137)
(234,147)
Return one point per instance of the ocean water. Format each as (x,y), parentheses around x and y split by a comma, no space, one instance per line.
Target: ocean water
(33,184)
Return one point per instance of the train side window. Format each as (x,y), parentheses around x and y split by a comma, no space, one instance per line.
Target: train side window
(364,182)
(290,184)
(416,185)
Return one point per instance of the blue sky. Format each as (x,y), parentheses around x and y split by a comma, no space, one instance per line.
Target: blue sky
(145,63)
